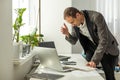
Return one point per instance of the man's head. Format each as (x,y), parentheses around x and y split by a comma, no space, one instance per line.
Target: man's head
(73,16)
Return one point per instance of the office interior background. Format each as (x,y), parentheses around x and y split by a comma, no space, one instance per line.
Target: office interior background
(50,22)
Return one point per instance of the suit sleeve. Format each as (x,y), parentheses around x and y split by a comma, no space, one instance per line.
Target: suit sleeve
(103,38)
(72,37)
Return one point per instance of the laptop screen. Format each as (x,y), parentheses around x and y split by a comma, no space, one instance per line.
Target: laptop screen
(48,58)
(51,44)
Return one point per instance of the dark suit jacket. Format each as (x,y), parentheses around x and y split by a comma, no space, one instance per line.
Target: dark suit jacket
(105,43)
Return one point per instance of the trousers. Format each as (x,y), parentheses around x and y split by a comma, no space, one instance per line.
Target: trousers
(108,63)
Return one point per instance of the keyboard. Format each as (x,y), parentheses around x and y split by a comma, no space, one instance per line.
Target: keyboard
(63,58)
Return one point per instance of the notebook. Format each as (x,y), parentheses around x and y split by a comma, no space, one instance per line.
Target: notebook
(49,59)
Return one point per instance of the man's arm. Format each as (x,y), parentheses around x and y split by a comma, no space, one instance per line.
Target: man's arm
(103,38)
(72,38)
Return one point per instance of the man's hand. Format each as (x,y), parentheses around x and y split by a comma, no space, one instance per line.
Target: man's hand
(64,30)
(91,64)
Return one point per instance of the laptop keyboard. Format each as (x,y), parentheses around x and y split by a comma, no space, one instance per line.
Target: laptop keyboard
(63,58)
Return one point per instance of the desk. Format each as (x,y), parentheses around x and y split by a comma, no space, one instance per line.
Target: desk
(77,74)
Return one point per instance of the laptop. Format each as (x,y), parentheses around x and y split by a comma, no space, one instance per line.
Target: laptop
(51,44)
(49,59)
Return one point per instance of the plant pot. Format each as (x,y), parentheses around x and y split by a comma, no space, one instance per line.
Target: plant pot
(25,49)
(16,51)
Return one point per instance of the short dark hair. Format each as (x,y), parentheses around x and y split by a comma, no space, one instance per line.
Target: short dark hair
(71,11)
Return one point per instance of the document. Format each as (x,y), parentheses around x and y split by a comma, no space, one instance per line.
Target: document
(81,68)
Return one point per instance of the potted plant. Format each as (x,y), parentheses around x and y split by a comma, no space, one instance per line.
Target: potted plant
(33,39)
(16,27)
(18,23)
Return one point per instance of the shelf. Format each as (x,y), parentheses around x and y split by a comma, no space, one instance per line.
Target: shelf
(23,60)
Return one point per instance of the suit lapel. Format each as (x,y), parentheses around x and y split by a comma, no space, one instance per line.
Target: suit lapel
(89,25)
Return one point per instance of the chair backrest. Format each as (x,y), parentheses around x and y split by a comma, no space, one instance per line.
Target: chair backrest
(48,44)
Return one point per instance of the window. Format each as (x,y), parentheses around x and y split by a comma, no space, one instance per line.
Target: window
(30,16)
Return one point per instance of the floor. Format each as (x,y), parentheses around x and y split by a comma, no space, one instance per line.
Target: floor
(117,75)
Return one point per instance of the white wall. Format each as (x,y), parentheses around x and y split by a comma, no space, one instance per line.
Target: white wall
(51,22)
(6,65)
(21,70)
(84,4)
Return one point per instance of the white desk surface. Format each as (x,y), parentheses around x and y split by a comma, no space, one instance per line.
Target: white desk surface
(77,74)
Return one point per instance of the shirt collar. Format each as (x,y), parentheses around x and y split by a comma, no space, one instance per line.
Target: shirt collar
(83,25)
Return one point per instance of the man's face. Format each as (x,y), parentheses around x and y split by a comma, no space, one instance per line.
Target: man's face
(75,21)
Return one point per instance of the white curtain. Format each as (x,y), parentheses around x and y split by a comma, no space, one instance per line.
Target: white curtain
(111,11)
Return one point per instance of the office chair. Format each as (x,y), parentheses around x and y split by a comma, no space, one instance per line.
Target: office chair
(48,44)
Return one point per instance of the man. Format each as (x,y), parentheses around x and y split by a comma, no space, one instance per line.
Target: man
(90,28)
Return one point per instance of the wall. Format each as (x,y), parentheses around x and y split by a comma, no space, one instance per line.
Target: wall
(6,65)
(51,22)
(21,70)
(82,5)
(118,40)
